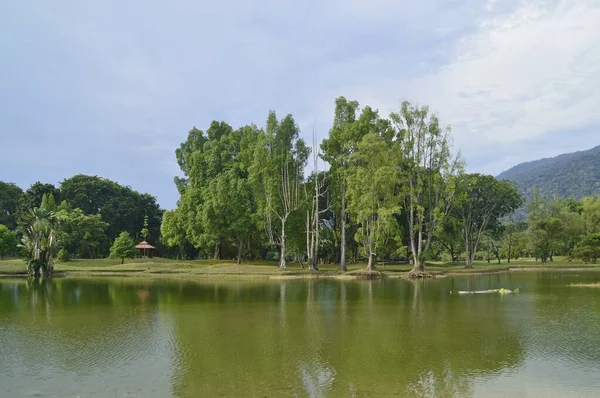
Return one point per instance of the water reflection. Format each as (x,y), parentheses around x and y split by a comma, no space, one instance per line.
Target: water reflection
(313,338)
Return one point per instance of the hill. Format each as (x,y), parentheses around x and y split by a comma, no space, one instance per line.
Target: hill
(574,174)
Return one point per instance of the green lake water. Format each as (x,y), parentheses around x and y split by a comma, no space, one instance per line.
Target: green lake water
(129,337)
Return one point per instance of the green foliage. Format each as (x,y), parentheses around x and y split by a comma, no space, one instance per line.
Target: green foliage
(480,201)
(10,196)
(589,248)
(573,175)
(33,196)
(145,232)
(39,241)
(546,227)
(122,208)
(8,241)
(48,202)
(123,247)
(63,256)
(428,170)
(372,179)
(80,234)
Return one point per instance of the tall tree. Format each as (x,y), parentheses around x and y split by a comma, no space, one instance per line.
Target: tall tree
(428,170)
(480,202)
(279,168)
(10,196)
(337,148)
(372,179)
(545,226)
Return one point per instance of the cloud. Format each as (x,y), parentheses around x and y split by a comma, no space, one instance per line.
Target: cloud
(520,79)
(111,88)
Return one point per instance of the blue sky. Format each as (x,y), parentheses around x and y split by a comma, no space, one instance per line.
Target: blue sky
(111,88)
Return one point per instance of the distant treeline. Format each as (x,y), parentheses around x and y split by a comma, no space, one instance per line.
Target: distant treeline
(91,211)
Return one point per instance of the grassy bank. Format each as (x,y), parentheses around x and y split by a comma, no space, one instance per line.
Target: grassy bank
(157,267)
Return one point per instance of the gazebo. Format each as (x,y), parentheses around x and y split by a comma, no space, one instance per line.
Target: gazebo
(145,249)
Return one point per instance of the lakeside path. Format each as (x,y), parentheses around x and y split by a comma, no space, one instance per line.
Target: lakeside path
(207,269)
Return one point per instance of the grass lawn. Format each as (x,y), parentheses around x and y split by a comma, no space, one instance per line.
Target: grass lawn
(223,268)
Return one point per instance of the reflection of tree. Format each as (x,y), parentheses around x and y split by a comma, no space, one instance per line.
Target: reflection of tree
(331,338)
(295,337)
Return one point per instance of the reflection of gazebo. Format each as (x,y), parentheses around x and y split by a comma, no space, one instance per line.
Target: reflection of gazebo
(145,249)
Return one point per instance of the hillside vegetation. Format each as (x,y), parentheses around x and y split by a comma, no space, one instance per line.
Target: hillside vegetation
(574,175)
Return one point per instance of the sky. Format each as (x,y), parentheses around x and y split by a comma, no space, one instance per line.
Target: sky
(111,88)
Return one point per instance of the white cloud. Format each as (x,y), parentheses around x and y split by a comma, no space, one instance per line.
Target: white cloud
(502,73)
(524,75)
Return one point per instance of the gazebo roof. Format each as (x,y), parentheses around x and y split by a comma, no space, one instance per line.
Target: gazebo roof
(144,245)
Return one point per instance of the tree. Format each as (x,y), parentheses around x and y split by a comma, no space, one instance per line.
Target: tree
(513,241)
(313,214)
(48,202)
(8,241)
(279,164)
(32,197)
(589,248)
(120,206)
(172,232)
(450,237)
(372,179)
(123,247)
(39,241)
(480,201)
(590,209)
(80,234)
(428,169)
(10,196)
(337,148)
(545,226)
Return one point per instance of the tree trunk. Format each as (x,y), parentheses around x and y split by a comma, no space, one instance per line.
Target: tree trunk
(217,251)
(239,256)
(469,261)
(370,262)
(418,269)
(308,247)
(122,260)
(343,232)
(282,264)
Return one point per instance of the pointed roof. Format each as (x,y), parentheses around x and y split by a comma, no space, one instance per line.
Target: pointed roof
(144,245)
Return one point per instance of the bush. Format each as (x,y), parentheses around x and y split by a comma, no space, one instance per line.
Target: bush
(63,256)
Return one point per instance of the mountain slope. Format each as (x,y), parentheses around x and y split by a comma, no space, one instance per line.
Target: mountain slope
(574,174)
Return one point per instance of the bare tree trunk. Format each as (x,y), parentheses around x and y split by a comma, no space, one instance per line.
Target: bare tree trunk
(282,264)
(343,231)
(308,237)
(370,262)
(240,248)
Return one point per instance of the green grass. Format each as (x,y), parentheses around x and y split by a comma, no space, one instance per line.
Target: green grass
(222,268)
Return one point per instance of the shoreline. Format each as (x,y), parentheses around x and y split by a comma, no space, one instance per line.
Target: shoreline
(277,275)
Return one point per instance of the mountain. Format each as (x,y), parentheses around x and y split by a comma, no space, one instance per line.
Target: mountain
(574,174)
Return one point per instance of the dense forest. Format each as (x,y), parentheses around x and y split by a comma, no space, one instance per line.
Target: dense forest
(375,189)
(573,175)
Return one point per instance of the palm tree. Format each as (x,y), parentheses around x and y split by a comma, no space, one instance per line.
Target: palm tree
(39,241)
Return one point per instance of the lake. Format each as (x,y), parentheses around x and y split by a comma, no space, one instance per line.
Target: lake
(130,337)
